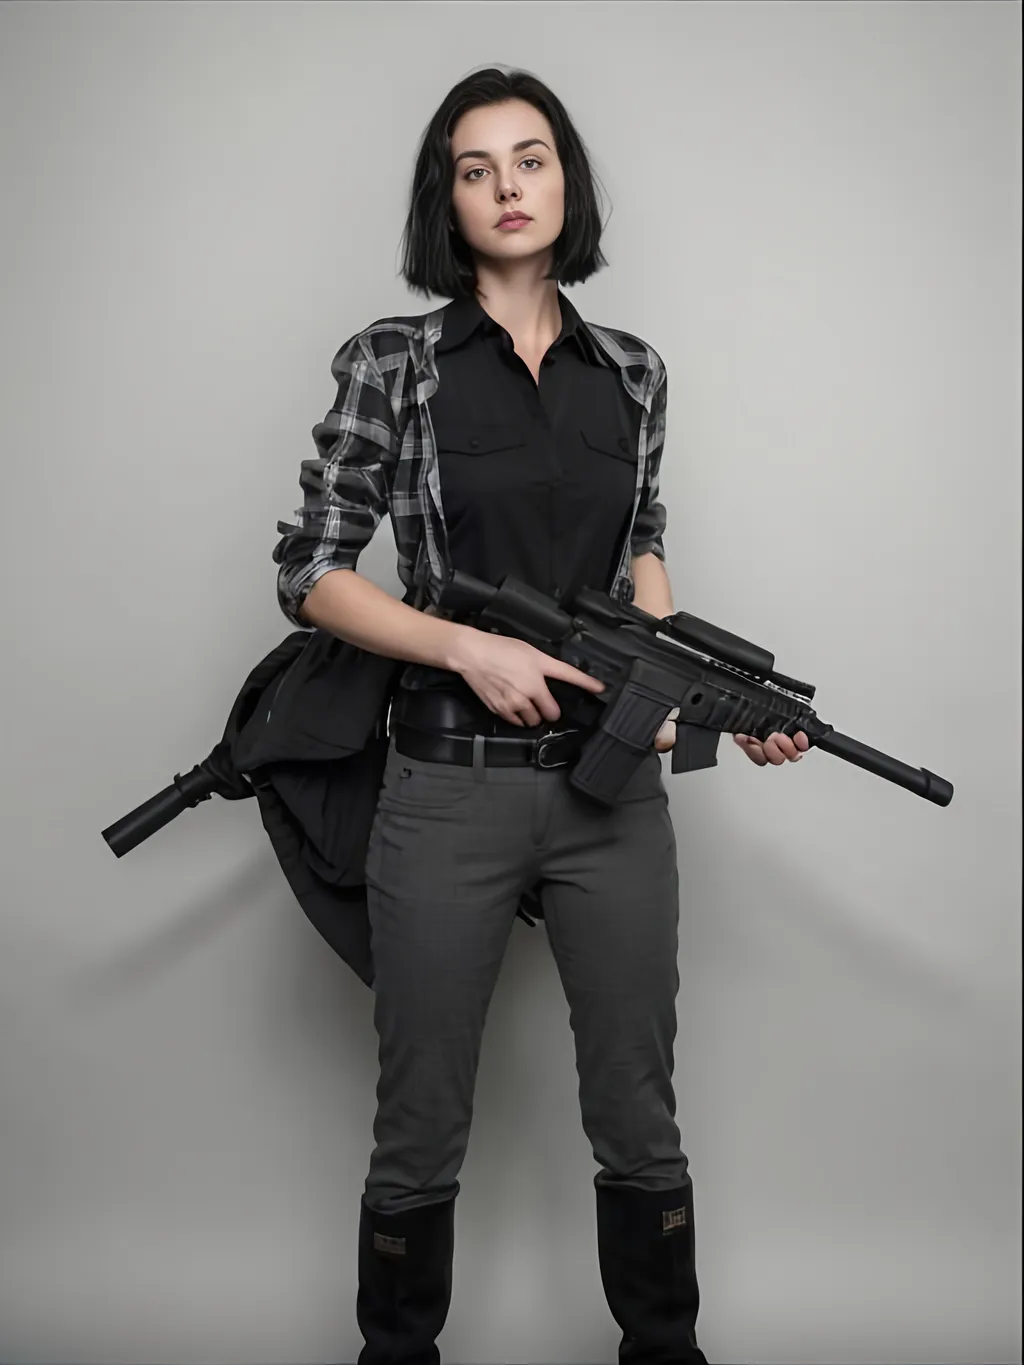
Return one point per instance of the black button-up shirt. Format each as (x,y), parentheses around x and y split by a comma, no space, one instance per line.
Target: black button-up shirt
(375,454)
(537,478)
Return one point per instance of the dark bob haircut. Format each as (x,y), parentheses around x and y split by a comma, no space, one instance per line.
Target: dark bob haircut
(436,259)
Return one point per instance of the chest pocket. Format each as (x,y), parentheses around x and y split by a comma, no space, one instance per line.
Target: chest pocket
(609,440)
(478,438)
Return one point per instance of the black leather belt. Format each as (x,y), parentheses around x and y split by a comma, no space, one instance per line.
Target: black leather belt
(553,750)
(442,728)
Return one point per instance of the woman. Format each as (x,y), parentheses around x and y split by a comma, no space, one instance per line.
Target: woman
(504,435)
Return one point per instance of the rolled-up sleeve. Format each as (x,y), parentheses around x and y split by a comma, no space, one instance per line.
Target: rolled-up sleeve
(345,486)
(651,518)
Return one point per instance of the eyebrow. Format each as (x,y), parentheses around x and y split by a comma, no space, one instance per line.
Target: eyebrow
(516,147)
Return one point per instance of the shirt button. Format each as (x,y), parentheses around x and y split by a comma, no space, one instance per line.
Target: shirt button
(623,443)
(474,444)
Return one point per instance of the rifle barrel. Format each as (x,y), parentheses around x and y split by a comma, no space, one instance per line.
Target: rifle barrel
(125,834)
(917,780)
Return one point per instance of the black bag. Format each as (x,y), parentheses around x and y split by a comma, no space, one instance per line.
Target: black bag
(307,736)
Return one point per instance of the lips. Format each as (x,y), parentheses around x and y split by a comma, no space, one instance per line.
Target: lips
(514,218)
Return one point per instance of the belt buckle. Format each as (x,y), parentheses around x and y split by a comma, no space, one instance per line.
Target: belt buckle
(541,745)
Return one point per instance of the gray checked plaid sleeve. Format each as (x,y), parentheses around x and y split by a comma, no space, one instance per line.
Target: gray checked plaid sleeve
(345,486)
(647,536)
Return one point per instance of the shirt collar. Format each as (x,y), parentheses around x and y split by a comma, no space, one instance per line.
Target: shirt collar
(464,316)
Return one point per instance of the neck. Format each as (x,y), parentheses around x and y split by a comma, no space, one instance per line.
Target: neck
(516,295)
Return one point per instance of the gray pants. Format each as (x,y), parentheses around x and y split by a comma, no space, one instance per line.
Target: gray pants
(450,852)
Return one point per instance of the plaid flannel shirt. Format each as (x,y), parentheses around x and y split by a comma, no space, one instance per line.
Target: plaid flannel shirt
(376,454)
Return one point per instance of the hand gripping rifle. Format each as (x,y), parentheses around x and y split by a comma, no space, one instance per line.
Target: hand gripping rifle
(721,684)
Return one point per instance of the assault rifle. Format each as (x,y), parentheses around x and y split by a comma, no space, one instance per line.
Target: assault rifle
(721,684)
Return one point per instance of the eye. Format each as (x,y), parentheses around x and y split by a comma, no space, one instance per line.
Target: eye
(472,176)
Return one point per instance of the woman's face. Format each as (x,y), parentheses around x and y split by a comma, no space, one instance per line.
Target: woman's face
(504,160)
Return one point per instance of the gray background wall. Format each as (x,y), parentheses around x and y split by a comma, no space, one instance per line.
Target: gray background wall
(817,222)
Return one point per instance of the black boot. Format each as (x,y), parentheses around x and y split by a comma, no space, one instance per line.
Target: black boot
(405,1283)
(646,1253)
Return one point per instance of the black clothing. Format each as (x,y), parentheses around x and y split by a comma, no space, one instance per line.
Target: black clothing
(376,454)
(308,729)
(537,478)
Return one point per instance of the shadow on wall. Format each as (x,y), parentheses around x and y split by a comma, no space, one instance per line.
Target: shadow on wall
(809,1041)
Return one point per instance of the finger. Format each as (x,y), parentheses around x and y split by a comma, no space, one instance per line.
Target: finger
(747,741)
(514,706)
(529,713)
(786,747)
(556,668)
(753,749)
(666,737)
(771,751)
(544,705)
(791,748)
(801,741)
